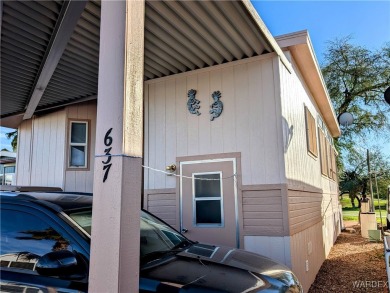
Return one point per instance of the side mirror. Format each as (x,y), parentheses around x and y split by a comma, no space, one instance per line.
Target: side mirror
(62,263)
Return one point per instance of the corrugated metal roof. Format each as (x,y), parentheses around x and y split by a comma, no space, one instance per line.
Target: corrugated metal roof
(26,29)
(180,36)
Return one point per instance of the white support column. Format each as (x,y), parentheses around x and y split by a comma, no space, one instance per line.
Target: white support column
(114,265)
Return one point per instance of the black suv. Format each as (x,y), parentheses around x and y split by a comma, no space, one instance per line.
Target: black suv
(45,243)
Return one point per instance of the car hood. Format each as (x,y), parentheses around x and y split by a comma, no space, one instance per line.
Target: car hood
(220,269)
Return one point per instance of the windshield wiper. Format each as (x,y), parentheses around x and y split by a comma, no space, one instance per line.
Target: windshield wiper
(183,244)
(159,254)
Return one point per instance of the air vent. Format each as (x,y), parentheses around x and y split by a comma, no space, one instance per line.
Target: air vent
(202,250)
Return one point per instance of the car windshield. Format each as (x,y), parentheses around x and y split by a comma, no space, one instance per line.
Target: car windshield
(156,236)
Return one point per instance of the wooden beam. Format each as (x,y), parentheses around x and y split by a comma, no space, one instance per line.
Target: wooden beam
(67,21)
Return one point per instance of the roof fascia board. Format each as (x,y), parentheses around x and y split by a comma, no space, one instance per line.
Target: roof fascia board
(62,33)
(302,50)
(267,34)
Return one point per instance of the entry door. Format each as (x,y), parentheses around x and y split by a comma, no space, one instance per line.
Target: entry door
(208,201)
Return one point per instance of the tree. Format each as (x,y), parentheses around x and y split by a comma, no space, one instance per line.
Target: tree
(356,79)
(355,179)
(14,136)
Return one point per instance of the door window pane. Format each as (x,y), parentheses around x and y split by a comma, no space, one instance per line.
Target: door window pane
(208,212)
(207,185)
(208,199)
(77,155)
(78,133)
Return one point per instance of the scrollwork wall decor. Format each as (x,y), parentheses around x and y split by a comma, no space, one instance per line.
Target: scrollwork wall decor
(217,106)
(192,103)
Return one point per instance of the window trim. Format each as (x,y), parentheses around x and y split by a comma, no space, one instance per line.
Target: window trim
(194,200)
(311,133)
(86,144)
(328,163)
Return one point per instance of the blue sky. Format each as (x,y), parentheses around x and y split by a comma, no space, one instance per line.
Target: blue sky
(368,22)
(4,142)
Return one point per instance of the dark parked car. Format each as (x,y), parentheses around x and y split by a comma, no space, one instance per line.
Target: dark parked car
(45,244)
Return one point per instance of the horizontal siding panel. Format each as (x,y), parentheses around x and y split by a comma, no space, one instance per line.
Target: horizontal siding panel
(263,215)
(263,211)
(306,217)
(171,223)
(158,210)
(162,203)
(304,225)
(262,193)
(306,205)
(263,230)
(263,222)
(263,201)
(166,216)
(298,212)
(262,208)
(294,200)
(166,196)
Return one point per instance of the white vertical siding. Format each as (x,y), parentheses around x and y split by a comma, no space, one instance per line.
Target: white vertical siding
(81,180)
(247,124)
(295,96)
(41,151)
(24,156)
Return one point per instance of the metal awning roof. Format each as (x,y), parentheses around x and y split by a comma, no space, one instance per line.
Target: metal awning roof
(50,49)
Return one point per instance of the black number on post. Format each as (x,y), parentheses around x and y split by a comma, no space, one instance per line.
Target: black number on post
(108,138)
(107,164)
(107,168)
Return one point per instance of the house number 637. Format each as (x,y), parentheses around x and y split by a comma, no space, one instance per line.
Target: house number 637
(107,164)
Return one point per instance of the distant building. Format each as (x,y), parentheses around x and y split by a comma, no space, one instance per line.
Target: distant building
(7,168)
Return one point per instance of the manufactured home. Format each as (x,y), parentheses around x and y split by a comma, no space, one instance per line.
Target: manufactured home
(232,127)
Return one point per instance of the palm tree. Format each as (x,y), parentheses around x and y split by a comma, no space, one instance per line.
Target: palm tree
(14,136)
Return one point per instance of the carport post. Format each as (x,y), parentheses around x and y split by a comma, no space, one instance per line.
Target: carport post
(114,265)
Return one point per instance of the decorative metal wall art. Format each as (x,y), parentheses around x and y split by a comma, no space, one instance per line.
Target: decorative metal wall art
(193,103)
(217,106)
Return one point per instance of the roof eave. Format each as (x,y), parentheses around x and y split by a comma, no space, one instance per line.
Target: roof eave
(267,34)
(301,48)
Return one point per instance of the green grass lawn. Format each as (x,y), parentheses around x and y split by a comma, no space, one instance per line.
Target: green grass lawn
(352,214)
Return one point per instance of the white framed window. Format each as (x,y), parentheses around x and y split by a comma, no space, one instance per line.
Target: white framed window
(207,199)
(78,144)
